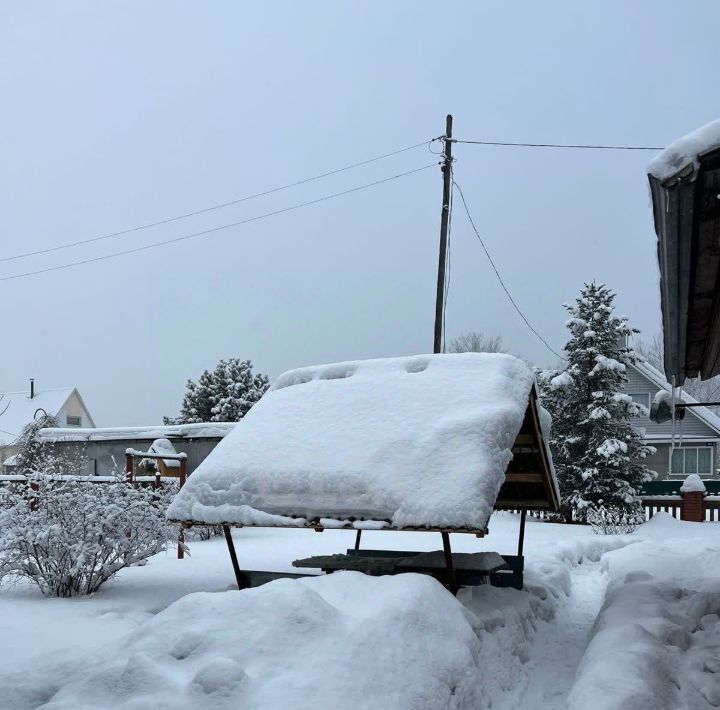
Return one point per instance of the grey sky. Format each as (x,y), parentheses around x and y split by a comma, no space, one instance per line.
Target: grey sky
(119,113)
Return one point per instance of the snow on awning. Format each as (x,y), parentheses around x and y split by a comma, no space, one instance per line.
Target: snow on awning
(685,187)
(413,442)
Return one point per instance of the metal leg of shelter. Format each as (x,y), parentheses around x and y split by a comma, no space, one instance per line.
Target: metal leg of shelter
(452,578)
(521,538)
(357,539)
(233,556)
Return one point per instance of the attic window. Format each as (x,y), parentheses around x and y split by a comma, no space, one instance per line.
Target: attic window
(73,421)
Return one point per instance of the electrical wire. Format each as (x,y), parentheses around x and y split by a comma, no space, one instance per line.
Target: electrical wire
(212,208)
(562,145)
(500,279)
(213,230)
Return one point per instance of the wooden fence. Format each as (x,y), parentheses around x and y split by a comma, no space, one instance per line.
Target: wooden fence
(673,506)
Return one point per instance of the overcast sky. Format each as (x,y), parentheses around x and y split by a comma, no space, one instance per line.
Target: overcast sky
(116,114)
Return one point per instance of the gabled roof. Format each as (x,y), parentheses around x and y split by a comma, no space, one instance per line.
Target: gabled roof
(406,443)
(21,409)
(658,379)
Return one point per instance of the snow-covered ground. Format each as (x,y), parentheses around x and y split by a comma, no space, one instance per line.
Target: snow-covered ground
(603,623)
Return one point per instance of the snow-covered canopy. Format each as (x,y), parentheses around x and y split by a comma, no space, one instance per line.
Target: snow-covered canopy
(685,151)
(419,441)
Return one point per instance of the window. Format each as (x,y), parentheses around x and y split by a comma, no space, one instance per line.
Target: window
(641,398)
(73,421)
(691,459)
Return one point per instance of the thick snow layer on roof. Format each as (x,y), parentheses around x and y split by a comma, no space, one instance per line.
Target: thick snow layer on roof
(420,441)
(186,431)
(21,409)
(685,151)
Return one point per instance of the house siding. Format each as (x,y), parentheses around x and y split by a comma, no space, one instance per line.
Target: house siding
(74,407)
(690,426)
(692,431)
(660,460)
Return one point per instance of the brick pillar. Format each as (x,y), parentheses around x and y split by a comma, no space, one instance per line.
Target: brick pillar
(693,507)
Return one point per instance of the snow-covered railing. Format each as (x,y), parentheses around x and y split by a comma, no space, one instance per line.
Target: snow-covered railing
(693,504)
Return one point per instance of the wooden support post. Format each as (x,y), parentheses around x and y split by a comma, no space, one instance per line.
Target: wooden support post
(521,537)
(34,495)
(357,539)
(129,468)
(233,556)
(452,578)
(181,534)
(183,472)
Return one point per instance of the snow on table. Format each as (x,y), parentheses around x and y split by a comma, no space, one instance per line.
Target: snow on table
(419,441)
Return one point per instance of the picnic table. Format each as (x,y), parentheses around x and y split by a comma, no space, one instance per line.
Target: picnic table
(470,568)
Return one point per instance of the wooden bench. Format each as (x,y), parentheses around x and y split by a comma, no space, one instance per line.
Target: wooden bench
(470,569)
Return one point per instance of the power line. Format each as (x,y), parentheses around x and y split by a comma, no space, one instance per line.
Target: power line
(204,210)
(562,145)
(218,229)
(497,273)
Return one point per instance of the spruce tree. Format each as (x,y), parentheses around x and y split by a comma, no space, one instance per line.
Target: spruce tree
(598,455)
(224,395)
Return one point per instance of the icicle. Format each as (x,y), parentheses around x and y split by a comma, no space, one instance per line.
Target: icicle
(672,411)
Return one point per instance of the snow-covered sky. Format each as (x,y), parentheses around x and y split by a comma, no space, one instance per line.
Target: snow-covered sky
(115,114)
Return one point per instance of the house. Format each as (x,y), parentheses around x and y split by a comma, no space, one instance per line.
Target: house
(696,438)
(18,409)
(103,449)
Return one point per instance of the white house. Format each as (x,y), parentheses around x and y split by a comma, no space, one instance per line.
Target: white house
(697,437)
(17,409)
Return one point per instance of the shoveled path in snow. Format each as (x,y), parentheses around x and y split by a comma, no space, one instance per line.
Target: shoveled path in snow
(559,645)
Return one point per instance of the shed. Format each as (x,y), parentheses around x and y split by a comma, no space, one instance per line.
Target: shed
(685,188)
(424,443)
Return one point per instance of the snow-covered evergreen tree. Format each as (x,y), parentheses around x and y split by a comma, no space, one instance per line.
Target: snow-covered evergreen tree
(598,455)
(224,395)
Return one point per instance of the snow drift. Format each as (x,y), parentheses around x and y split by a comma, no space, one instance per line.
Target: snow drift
(419,441)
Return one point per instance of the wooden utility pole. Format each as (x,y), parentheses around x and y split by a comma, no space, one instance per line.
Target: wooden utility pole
(444,218)
(440,300)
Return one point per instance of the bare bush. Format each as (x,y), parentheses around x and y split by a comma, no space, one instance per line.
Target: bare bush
(475,342)
(613,521)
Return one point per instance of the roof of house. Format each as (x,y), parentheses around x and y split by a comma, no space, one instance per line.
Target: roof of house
(202,430)
(417,442)
(684,185)
(21,409)
(658,379)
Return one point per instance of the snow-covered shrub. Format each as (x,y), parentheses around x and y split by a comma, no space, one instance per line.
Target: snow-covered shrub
(69,537)
(612,521)
(38,456)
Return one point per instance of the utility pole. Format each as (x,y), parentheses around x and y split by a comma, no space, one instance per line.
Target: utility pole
(439,303)
(444,216)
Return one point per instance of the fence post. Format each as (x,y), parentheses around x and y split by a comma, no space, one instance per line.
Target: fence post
(129,466)
(693,507)
(181,535)
(693,493)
